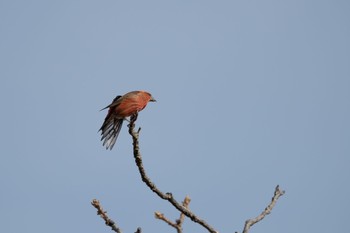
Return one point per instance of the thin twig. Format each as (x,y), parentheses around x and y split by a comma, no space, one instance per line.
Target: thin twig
(167,196)
(178,223)
(161,216)
(185,204)
(109,222)
(250,222)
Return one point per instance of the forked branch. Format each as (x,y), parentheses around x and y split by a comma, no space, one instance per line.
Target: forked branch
(178,223)
(182,207)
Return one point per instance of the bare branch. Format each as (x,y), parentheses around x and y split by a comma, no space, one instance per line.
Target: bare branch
(178,224)
(152,186)
(161,216)
(250,222)
(109,222)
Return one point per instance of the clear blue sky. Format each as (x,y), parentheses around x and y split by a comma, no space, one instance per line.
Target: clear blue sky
(250,94)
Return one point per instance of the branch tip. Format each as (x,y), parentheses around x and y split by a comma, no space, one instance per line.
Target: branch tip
(250,222)
(109,222)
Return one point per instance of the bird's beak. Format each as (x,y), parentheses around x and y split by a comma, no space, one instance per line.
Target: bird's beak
(152,100)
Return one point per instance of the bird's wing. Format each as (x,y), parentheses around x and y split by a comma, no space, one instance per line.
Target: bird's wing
(114,102)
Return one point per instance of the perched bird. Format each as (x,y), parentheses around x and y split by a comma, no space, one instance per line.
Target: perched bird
(121,108)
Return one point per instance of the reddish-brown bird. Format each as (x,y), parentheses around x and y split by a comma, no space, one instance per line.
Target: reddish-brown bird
(121,108)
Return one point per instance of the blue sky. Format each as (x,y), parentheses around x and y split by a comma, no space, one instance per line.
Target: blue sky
(250,94)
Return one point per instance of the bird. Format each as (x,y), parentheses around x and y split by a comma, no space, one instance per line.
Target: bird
(122,107)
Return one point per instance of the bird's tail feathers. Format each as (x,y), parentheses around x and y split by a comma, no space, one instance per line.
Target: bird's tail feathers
(110,131)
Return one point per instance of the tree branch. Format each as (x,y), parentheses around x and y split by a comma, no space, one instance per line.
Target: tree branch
(167,196)
(178,224)
(250,222)
(109,222)
(160,216)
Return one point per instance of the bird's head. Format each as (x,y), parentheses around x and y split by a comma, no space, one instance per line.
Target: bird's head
(150,97)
